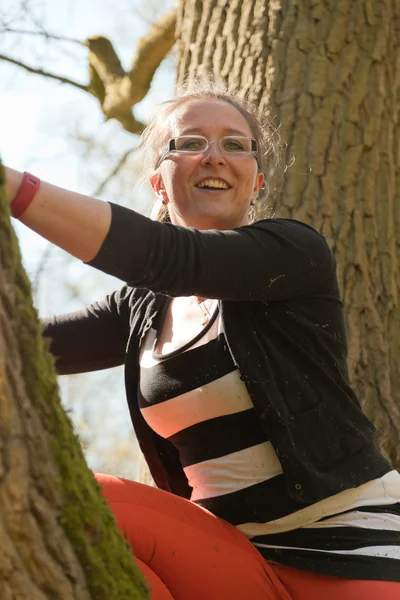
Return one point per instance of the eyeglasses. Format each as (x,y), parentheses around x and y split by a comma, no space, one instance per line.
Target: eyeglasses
(197,144)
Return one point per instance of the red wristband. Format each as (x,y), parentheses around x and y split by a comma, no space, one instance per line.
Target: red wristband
(27,191)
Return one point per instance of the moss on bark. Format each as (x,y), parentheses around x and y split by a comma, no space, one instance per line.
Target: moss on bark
(100,549)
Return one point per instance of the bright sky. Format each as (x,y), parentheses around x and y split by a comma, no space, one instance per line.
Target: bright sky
(38,114)
(38,117)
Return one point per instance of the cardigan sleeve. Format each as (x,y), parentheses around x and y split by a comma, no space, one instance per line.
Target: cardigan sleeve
(271,260)
(90,339)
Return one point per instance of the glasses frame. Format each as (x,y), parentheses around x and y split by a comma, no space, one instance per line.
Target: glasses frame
(171,146)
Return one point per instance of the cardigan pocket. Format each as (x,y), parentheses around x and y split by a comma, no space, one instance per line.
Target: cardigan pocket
(326,435)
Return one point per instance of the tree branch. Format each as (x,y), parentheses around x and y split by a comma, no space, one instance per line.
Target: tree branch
(116,90)
(152,49)
(48,36)
(104,59)
(114,172)
(44,73)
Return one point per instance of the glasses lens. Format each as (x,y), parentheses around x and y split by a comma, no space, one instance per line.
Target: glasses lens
(192,143)
(235,144)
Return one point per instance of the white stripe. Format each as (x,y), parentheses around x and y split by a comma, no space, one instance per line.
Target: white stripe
(233,472)
(377,551)
(362,520)
(224,396)
(382,491)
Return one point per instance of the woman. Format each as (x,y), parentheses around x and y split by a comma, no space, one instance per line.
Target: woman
(232,335)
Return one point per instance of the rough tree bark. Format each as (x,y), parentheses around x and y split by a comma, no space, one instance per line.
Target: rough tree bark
(58,537)
(328,72)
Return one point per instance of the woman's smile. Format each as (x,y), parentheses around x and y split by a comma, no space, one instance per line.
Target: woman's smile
(213,184)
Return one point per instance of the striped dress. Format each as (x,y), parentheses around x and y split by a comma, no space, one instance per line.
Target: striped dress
(195,398)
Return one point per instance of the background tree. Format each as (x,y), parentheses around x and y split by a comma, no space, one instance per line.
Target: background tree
(58,537)
(327,73)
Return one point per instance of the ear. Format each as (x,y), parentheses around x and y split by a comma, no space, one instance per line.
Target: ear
(258,183)
(157,184)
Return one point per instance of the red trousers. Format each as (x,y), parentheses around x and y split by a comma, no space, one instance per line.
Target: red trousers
(187,553)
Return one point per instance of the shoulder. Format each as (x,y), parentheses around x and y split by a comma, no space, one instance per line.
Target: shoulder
(132,297)
(292,234)
(137,303)
(289,225)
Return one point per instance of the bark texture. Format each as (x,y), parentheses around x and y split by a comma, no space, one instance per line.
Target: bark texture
(58,537)
(327,72)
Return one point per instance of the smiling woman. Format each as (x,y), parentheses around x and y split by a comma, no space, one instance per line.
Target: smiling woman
(203,153)
(258,136)
(233,340)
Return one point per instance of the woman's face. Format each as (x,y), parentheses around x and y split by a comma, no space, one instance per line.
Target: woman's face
(179,175)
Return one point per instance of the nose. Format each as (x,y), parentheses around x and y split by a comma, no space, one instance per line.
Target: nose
(213,154)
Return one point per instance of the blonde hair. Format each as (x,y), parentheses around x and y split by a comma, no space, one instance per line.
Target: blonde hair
(156,135)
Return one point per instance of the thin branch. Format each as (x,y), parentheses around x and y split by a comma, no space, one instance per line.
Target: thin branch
(114,172)
(85,88)
(40,268)
(145,19)
(48,36)
(30,12)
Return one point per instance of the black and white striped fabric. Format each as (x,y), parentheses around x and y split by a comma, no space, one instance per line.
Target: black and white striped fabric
(197,400)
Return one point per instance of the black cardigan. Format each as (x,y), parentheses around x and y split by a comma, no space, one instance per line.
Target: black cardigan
(283,320)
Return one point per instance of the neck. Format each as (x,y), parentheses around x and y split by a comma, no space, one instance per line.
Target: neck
(204,223)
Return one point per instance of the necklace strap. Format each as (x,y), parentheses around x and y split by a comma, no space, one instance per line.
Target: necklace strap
(204,311)
(189,343)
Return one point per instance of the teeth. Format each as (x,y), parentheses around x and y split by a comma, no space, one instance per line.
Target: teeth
(213,183)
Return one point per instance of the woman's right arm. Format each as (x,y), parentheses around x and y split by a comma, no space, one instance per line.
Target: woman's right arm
(90,339)
(75,222)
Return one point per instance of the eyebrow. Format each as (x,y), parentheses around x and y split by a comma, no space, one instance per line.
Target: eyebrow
(228,131)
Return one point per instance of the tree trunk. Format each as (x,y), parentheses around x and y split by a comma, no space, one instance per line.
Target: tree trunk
(58,537)
(327,71)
